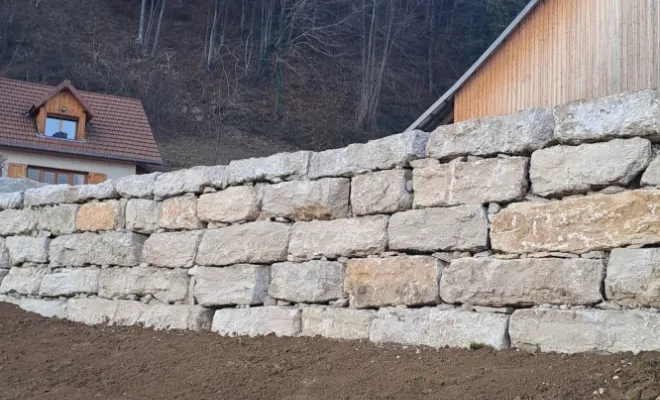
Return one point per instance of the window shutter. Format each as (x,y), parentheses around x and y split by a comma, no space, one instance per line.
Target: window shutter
(95,178)
(17,170)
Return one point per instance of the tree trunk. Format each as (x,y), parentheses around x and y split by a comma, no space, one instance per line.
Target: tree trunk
(160,23)
(143,15)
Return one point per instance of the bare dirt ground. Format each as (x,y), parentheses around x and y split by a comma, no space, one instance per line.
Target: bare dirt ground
(52,359)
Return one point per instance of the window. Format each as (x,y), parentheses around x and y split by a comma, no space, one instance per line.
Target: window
(61,128)
(56,176)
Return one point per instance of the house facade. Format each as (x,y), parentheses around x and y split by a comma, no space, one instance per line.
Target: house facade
(60,135)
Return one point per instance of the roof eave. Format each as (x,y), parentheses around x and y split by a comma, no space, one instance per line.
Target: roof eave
(83,154)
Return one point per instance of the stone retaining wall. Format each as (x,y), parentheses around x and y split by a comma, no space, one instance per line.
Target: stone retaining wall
(535,230)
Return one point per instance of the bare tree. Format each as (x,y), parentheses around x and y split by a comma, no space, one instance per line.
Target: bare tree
(151,13)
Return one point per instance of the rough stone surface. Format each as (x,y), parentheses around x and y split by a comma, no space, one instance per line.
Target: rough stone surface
(59,219)
(168,286)
(288,166)
(254,242)
(393,281)
(45,308)
(308,282)
(257,321)
(520,133)
(107,248)
(337,323)
(622,115)
(385,153)
(142,215)
(70,281)
(341,237)
(28,249)
(598,222)
(307,200)
(11,185)
(101,191)
(24,281)
(499,180)
(234,285)
(49,194)
(438,328)
(141,186)
(100,216)
(18,222)
(4,255)
(172,249)
(11,200)
(180,213)
(3,273)
(498,283)
(381,192)
(633,277)
(577,331)
(91,311)
(577,169)
(234,204)
(192,180)
(180,317)
(431,229)
(651,176)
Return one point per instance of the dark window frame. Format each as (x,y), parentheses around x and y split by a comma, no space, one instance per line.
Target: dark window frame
(61,118)
(58,172)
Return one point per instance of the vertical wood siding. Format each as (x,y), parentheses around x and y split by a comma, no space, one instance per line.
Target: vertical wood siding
(568,50)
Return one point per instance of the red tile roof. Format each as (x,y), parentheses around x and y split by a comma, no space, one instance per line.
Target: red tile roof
(119,131)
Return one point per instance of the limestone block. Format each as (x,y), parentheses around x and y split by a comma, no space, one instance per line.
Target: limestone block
(24,281)
(127,312)
(107,248)
(286,166)
(192,180)
(91,311)
(180,213)
(28,249)
(101,191)
(4,255)
(308,282)
(337,323)
(381,192)
(651,176)
(438,328)
(254,242)
(172,249)
(520,133)
(234,204)
(45,308)
(178,316)
(577,331)
(11,200)
(59,219)
(18,222)
(257,321)
(498,283)
(100,216)
(140,186)
(633,277)
(385,153)
(621,115)
(597,222)
(499,180)
(341,237)
(462,228)
(307,200)
(167,286)
(49,194)
(70,281)
(142,215)
(393,281)
(236,284)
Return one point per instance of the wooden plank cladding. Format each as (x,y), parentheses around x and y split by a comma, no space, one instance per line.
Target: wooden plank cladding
(568,50)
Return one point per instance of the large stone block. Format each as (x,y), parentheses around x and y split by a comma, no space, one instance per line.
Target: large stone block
(180,213)
(308,282)
(254,242)
(18,222)
(341,237)
(385,153)
(237,284)
(5,262)
(438,328)
(142,215)
(307,200)
(234,204)
(100,216)
(393,281)
(598,222)
(107,248)
(257,321)
(192,180)
(651,176)
(520,133)
(178,316)
(45,308)
(455,228)
(140,186)
(70,281)
(381,192)
(101,191)
(633,277)
(287,166)
(577,169)
(59,219)
(499,180)
(27,249)
(11,200)
(24,281)
(337,323)
(49,194)
(168,286)
(577,331)
(172,249)
(621,115)
(498,283)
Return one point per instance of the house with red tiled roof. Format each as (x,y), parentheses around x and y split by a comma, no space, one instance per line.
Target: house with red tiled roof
(57,134)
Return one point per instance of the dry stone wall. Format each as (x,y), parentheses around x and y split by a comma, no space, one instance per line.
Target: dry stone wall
(539,230)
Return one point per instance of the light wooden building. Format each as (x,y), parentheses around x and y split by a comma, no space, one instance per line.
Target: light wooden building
(554,52)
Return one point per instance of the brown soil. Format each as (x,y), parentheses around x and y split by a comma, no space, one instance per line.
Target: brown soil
(52,359)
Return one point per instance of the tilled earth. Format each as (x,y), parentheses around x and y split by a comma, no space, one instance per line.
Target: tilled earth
(44,358)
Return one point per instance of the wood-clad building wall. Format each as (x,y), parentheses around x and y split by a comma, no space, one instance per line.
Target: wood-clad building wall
(568,50)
